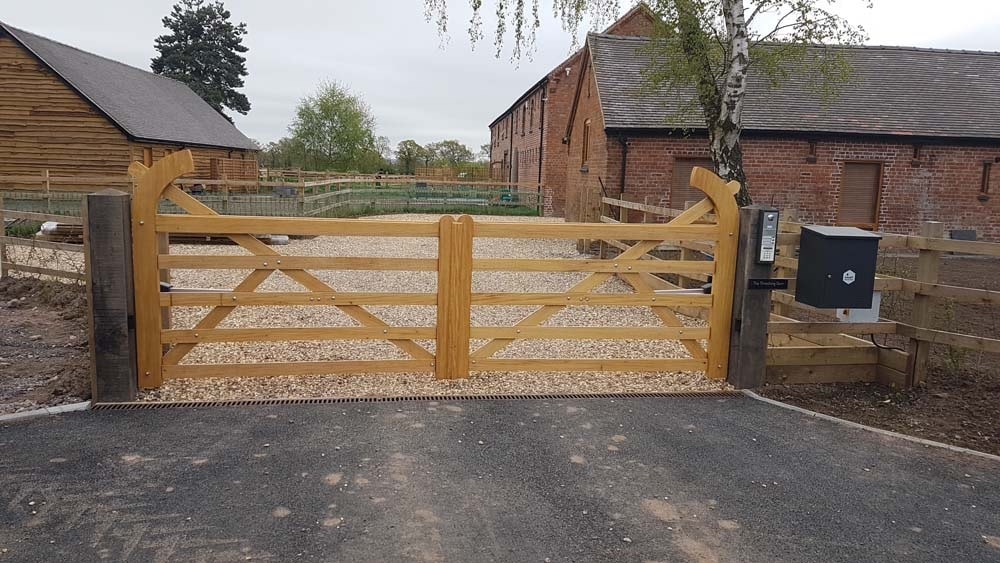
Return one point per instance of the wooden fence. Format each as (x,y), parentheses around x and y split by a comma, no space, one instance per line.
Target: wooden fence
(18,254)
(288,193)
(821,349)
(453,356)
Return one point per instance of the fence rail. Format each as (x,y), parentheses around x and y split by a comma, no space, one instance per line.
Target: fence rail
(17,254)
(300,194)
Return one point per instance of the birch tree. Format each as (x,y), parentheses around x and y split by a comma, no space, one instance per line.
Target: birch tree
(707,47)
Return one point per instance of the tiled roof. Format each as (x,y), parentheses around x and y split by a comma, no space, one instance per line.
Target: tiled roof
(144,105)
(893,91)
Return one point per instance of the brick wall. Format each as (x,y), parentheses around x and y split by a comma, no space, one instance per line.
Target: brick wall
(561,88)
(558,92)
(638,23)
(583,187)
(944,186)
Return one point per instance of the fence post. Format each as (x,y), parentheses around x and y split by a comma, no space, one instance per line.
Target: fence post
(108,251)
(786,251)
(3,247)
(454,297)
(48,191)
(928,267)
(302,197)
(751,307)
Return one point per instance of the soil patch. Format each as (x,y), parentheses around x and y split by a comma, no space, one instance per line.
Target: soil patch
(960,404)
(44,357)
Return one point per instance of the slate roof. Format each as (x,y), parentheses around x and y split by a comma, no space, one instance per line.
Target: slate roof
(894,91)
(144,105)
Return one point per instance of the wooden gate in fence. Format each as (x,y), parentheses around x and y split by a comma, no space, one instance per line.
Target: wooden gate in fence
(161,350)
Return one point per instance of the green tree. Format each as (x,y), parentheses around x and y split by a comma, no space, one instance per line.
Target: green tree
(283,153)
(485,150)
(376,158)
(450,153)
(336,130)
(409,153)
(708,47)
(203,49)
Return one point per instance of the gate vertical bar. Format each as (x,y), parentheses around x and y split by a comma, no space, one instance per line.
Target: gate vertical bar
(454,297)
(727,216)
(145,262)
(148,315)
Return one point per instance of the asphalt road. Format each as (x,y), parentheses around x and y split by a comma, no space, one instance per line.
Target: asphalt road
(674,479)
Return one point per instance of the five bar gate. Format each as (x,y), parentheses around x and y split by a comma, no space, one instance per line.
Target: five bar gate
(161,350)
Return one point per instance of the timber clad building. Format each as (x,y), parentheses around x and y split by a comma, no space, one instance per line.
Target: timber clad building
(913,137)
(76,113)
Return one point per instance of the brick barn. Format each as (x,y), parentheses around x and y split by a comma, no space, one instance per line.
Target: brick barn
(915,136)
(76,113)
(526,140)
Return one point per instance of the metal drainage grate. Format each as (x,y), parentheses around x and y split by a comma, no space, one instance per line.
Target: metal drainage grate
(340,400)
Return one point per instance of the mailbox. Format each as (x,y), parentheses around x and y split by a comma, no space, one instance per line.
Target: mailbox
(836,267)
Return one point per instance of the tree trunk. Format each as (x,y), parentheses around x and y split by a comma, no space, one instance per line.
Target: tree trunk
(724,132)
(726,151)
(722,105)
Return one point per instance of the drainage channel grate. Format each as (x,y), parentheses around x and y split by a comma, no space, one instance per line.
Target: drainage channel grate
(341,400)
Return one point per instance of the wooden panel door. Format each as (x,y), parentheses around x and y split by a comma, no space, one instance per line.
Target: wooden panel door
(859,194)
(680,187)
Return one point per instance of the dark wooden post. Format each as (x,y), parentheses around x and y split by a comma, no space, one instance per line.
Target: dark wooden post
(751,307)
(108,239)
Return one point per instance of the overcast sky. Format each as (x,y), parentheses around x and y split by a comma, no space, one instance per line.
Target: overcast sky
(386,52)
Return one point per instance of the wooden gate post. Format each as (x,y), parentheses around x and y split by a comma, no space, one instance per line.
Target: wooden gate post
(108,252)
(751,307)
(928,267)
(454,297)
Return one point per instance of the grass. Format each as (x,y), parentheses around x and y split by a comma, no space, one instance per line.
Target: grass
(369,210)
(23,230)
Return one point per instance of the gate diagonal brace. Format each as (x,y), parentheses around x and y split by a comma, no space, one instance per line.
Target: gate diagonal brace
(689,216)
(587,285)
(258,277)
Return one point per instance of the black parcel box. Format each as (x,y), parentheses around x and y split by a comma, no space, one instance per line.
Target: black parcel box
(836,267)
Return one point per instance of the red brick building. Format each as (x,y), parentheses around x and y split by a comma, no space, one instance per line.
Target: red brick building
(527,139)
(915,136)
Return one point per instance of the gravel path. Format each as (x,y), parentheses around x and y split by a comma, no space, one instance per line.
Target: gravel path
(417,282)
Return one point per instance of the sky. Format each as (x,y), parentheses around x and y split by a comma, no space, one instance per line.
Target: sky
(385,51)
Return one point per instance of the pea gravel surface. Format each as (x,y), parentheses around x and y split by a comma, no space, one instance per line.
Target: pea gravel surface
(364,385)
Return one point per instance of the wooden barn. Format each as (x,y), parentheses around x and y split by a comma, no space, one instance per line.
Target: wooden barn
(75,113)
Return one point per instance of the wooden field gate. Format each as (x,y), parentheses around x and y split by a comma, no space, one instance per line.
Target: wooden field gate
(161,350)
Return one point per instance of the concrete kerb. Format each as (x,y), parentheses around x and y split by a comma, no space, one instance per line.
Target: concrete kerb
(47,411)
(922,441)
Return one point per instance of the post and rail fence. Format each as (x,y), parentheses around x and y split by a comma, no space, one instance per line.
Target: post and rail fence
(823,349)
(294,194)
